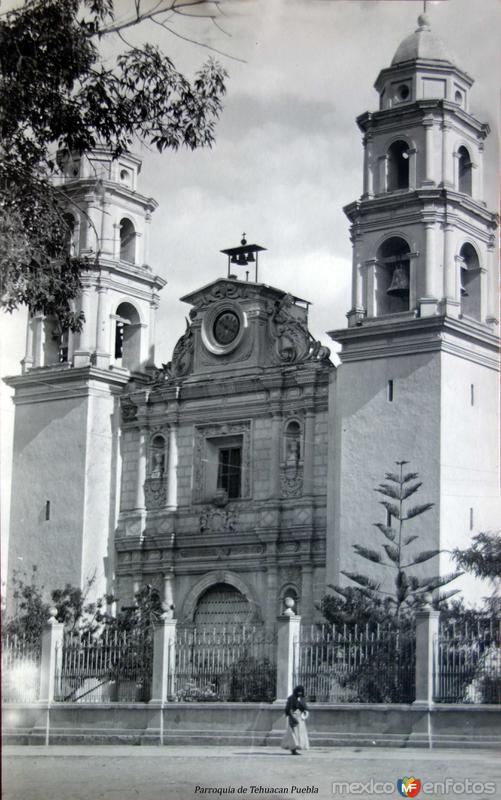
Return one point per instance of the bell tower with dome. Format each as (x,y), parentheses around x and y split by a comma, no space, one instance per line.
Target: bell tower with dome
(420,373)
(66,431)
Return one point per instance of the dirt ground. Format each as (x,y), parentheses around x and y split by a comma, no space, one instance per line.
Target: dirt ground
(188,773)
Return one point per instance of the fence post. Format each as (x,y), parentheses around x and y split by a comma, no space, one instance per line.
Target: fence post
(287,634)
(51,657)
(427,621)
(164,658)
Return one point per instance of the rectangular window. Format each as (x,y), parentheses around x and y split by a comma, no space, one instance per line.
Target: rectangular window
(390,391)
(229,472)
(472,394)
(47,510)
(471,519)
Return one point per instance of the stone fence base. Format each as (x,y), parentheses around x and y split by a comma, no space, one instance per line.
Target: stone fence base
(252,724)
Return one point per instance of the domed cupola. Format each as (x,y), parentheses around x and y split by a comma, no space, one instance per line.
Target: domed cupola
(422,45)
(422,69)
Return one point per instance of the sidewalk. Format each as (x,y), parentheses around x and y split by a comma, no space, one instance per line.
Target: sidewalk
(187,773)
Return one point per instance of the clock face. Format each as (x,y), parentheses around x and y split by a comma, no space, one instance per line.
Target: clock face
(226,327)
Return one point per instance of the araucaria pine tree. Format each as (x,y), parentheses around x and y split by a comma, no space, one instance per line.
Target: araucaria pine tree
(396,553)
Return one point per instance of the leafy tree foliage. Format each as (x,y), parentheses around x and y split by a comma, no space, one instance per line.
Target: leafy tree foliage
(87,619)
(394,553)
(483,558)
(57,92)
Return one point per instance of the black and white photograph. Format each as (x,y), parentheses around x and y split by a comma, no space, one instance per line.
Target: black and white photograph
(250,433)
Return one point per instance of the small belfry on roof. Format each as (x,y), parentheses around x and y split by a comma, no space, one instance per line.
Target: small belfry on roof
(243,255)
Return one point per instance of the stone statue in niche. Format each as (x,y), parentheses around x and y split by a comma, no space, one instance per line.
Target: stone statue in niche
(157,466)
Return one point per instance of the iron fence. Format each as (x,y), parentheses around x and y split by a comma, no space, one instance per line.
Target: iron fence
(467,663)
(117,667)
(232,665)
(21,660)
(356,666)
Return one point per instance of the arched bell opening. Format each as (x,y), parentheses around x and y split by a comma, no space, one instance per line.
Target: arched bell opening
(397,166)
(393,277)
(464,171)
(127,347)
(127,241)
(469,273)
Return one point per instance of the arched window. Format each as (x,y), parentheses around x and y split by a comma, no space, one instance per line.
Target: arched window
(398,167)
(292,443)
(392,276)
(127,336)
(127,241)
(464,171)
(470,281)
(157,457)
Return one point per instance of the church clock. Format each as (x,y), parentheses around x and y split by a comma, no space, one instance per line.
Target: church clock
(223,327)
(226,327)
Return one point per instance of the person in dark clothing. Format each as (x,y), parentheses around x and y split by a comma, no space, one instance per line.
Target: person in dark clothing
(296,736)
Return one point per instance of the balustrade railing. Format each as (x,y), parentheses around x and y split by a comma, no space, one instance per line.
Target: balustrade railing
(236,665)
(20,669)
(340,665)
(116,667)
(467,663)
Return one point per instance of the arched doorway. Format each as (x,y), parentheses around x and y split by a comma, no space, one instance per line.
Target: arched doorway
(223,607)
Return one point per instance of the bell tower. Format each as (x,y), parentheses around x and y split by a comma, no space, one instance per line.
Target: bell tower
(66,434)
(419,377)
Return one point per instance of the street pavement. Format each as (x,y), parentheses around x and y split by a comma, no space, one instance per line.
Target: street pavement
(189,773)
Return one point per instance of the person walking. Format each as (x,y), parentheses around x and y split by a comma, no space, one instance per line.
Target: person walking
(296,736)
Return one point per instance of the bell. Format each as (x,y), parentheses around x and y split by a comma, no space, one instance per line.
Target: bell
(234,260)
(250,258)
(399,286)
(241,259)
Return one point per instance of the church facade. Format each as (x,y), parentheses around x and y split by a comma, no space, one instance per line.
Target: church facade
(242,471)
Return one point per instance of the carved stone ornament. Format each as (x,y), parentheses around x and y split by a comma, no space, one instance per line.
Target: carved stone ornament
(291,482)
(129,409)
(215,520)
(182,359)
(293,341)
(223,291)
(155,492)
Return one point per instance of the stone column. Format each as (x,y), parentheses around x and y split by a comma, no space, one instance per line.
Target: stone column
(164,659)
(172,468)
(102,329)
(154,303)
(429,172)
(382,174)
(412,168)
(27,361)
(107,230)
(52,652)
(146,238)
(309,450)
(38,340)
(307,594)
(493,285)
(141,470)
(82,353)
(452,300)
(447,160)
(168,599)
(271,591)
(428,302)
(288,640)
(427,622)
(276,454)
(368,185)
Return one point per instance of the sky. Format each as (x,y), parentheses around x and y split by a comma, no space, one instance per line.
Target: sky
(288,153)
